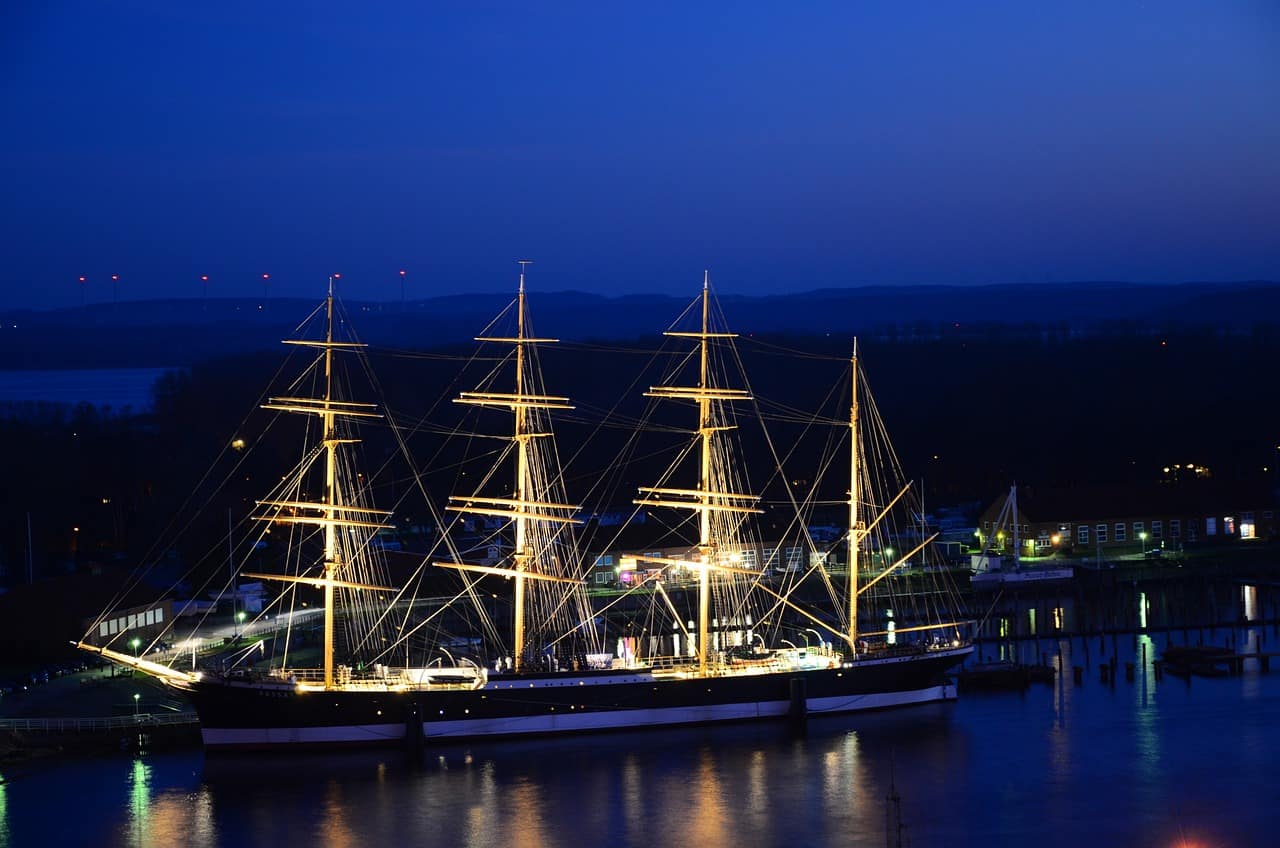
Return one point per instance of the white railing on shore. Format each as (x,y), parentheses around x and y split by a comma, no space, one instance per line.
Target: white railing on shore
(92,725)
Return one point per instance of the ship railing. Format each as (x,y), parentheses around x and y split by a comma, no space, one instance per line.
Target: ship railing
(299,675)
(383,677)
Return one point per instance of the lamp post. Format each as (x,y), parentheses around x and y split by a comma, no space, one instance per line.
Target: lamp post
(136,696)
(1142,543)
(239,622)
(402,275)
(135,642)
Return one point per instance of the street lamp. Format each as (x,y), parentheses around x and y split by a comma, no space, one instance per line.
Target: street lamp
(1142,543)
(136,696)
(135,642)
(239,622)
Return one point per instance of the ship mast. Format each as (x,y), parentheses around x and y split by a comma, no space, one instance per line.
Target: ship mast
(332,559)
(520,557)
(329,410)
(855,531)
(704,499)
(704,487)
(523,507)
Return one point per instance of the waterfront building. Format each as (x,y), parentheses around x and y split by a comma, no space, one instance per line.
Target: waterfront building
(1122,519)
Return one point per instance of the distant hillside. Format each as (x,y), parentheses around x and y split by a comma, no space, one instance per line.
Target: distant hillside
(178,332)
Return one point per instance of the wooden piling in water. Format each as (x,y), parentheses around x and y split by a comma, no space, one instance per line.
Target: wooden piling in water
(799,709)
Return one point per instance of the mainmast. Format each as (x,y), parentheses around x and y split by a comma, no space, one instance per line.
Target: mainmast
(855,530)
(329,409)
(523,507)
(520,558)
(704,499)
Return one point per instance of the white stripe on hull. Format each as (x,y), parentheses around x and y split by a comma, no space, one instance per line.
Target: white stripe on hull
(270,737)
(565,722)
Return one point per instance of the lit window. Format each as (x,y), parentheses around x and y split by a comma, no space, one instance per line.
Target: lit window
(1082,534)
(1101,530)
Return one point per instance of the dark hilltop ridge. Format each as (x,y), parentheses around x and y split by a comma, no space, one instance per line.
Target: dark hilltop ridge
(183,332)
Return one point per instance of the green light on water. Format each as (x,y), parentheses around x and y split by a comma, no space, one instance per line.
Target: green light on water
(4,812)
(140,798)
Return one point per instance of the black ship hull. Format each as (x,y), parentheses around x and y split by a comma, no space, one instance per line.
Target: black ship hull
(276,714)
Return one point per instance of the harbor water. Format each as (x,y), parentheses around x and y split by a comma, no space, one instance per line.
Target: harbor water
(1155,761)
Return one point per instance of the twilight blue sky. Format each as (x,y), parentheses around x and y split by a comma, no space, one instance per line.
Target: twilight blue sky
(625,147)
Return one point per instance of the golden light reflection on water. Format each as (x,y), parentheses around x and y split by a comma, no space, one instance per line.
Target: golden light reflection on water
(181,819)
(528,828)
(693,803)
(158,817)
(633,790)
(335,829)
(1251,683)
(709,827)
(482,788)
(757,788)
(840,770)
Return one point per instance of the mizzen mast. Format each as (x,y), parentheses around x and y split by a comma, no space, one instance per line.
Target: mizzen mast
(704,499)
(334,513)
(523,507)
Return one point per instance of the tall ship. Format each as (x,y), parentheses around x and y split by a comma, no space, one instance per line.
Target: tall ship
(523,640)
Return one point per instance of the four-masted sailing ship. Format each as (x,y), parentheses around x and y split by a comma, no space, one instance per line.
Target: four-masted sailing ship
(548,668)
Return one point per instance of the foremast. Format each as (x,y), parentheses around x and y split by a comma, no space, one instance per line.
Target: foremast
(704,499)
(334,512)
(524,506)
